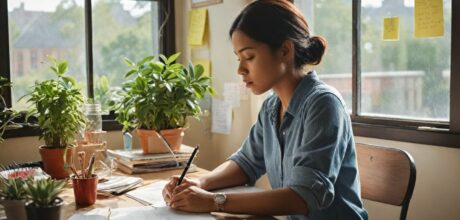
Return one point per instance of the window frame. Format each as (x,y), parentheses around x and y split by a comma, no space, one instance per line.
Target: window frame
(166,46)
(437,133)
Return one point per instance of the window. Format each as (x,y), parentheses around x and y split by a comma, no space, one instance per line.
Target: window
(94,36)
(332,19)
(407,78)
(53,29)
(120,29)
(399,90)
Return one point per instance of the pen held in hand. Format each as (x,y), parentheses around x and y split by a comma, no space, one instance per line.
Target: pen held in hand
(189,163)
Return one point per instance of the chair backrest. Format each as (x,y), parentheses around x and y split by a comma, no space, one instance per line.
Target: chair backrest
(387,175)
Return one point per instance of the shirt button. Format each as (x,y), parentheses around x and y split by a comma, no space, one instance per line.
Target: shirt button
(284,133)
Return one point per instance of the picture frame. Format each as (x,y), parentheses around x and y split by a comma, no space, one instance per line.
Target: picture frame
(203,3)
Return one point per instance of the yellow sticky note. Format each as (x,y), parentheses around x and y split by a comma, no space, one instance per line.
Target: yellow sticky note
(391,28)
(429,18)
(206,65)
(197,26)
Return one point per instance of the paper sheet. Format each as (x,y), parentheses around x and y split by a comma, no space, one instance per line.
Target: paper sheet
(197,26)
(232,93)
(150,194)
(391,28)
(139,213)
(428,18)
(221,117)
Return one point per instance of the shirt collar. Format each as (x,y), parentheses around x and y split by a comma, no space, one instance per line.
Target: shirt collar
(303,89)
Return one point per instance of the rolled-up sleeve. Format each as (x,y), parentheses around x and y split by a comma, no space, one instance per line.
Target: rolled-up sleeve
(250,156)
(317,162)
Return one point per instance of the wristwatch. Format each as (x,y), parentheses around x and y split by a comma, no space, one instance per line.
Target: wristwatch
(219,200)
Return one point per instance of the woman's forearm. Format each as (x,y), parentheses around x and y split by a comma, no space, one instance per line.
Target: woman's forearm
(227,174)
(273,202)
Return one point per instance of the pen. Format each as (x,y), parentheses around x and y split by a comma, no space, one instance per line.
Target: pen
(189,162)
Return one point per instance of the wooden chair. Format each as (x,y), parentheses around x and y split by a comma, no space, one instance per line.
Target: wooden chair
(387,175)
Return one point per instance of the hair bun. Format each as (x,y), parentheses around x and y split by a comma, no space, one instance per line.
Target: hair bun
(315,50)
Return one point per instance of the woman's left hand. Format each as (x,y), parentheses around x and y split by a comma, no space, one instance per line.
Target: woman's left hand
(193,199)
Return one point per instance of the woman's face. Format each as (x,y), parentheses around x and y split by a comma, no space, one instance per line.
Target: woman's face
(260,67)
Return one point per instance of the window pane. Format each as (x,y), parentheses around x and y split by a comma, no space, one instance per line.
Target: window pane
(38,30)
(121,29)
(332,19)
(409,77)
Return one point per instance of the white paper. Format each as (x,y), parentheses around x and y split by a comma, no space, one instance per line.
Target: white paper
(139,213)
(150,194)
(221,117)
(232,93)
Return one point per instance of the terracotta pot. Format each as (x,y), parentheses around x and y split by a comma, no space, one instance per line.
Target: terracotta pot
(53,161)
(152,142)
(84,190)
(49,213)
(15,209)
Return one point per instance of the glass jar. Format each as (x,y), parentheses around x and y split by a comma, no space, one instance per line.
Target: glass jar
(93,116)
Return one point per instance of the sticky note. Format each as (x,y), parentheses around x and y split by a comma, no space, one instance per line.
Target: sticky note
(206,65)
(428,18)
(197,26)
(391,28)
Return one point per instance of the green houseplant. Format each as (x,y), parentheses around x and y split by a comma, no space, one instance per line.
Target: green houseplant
(12,197)
(157,98)
(44,202)
(57,106)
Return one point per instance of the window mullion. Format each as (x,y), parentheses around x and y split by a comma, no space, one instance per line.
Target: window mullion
(4,50)
(356,58)
(89,49)
(455,70)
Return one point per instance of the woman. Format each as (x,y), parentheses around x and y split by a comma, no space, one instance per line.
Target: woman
(302,139)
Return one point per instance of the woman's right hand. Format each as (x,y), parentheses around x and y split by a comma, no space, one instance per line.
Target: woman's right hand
(171,188)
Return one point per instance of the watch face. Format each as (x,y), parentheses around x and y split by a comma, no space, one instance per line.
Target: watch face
(220,198)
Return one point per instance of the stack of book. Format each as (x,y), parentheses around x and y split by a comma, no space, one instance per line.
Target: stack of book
(134,161)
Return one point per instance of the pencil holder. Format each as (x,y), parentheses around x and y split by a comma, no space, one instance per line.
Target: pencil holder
(85,190)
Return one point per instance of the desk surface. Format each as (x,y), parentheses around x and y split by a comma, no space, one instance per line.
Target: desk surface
(70,207)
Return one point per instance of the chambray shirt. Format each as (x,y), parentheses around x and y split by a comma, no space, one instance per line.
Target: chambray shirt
(312,151)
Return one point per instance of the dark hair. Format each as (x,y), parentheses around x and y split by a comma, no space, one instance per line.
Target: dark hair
(274,21)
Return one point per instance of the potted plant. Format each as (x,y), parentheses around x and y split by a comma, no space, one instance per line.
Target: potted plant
(156,99)
(85,184)
(44,202)
(57,106)
(12,197)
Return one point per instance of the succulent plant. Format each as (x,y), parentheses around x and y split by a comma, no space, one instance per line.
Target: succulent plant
(12,189)
(44,192)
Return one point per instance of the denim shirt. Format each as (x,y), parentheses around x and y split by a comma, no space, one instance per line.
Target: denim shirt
(311,152)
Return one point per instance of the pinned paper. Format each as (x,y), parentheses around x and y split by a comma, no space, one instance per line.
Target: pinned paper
(232,93)
(429,18)
(221,116)
(391,28)
(197,26)
(206,65)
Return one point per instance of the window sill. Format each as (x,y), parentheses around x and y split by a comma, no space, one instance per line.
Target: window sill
(407,134)
(107,125)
